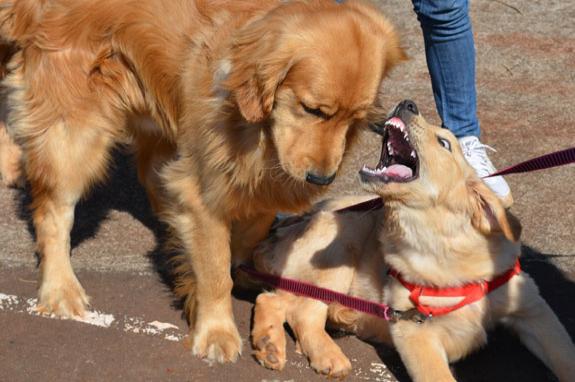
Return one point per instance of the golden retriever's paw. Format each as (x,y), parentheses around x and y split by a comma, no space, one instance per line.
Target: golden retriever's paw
(217,344)
(66,299)
(331,362)
(268,353)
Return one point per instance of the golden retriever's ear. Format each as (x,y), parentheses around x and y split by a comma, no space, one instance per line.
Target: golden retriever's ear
(259,65)
(488,214)
(395,54)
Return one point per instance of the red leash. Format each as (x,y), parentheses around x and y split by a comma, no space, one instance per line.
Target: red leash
(421,312)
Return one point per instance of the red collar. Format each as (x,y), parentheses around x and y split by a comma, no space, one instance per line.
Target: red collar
(471,292)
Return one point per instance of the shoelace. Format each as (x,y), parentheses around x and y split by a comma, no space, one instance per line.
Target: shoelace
(474,152)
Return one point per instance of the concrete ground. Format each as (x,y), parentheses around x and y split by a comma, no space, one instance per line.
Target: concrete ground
(526,82)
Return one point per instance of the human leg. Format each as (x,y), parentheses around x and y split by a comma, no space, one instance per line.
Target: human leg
(450,54)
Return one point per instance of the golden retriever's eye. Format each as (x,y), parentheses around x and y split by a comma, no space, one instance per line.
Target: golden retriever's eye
(314,111)
(445,143)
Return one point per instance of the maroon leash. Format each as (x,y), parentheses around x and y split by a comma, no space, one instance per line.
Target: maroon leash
(558,158)
(301,288)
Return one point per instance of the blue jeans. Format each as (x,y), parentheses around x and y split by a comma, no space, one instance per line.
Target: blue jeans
(450,53)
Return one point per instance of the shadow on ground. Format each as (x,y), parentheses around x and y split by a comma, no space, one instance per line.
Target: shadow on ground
(121,191)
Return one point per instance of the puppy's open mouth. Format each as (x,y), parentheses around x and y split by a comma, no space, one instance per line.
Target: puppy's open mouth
(399,161)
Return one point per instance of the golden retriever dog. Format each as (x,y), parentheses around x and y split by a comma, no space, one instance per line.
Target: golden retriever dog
(439,227)
(236,109)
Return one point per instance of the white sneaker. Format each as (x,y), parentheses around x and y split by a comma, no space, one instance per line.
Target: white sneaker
(475,153)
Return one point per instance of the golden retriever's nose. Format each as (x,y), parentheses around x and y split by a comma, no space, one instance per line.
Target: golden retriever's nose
(319,179)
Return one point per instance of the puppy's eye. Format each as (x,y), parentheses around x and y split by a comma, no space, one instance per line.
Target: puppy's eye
(445,143)
(314,111)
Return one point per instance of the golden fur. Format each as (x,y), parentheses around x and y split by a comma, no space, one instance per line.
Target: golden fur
(446,228)
(10,153)
(230,106)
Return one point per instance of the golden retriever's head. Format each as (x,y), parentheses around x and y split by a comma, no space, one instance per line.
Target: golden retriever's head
(422,166)
(312,69)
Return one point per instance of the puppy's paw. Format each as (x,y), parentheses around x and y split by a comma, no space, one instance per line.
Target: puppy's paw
(269,353)
(332,363)
(63,298)
(217,344)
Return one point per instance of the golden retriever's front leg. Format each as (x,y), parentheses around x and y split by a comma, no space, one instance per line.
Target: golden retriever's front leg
(307,318)
(421,352)
(206,240)
(540,330)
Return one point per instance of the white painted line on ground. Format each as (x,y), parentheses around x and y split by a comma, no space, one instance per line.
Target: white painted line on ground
(137,325)
(377,372)
(16,304)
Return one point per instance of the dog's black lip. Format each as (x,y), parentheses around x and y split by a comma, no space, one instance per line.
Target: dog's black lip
(378,128)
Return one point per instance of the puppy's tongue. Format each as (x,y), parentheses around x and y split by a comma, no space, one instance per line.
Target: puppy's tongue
(400,171)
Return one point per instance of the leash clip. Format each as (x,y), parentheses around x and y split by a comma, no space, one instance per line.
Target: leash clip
(409,315)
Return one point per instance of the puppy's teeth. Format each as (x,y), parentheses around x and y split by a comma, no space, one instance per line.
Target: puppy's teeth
(389,148)
(371,171)
(412,154)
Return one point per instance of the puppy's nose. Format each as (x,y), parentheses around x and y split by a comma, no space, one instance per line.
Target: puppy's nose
(407,105)
(319,179)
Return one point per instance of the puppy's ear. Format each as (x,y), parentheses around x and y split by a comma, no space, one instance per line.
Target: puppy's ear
(488,214)
(259,65)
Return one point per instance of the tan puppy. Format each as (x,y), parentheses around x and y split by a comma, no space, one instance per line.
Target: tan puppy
(440,226)
(236,109)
